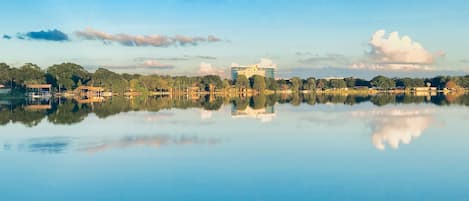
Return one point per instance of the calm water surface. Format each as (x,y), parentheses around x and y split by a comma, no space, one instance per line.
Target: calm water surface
(319,151)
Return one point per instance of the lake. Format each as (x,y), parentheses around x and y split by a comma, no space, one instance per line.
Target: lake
(300,147)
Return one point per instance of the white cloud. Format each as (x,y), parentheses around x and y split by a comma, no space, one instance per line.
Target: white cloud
(145,67)
(264,62)
(208,69)
(381,66)
(143,40)
(322,60)
(267,63)
(153,141)
(395,49)
(156,64)
(397,53)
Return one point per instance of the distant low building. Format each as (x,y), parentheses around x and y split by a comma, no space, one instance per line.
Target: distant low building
(89,91)
(333,78)
(4,90)
(249,71)
(424,88)
(39,90)
(361,87)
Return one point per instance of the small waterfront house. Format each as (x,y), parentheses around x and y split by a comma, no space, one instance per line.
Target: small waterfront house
(424,89)
(38,90)
(4,90)
(89,91)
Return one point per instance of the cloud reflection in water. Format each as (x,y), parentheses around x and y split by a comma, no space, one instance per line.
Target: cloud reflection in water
(56,145)
(147,141)
(44,145)
(396,126)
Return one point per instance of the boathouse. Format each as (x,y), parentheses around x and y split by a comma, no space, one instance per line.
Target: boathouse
(38,90)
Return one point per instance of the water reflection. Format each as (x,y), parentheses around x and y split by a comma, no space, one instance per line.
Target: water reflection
(43,145)
(147,141)
(311,142)
(205,114)
(155,117)
(265,114)
(56,145)
(396,126)
(67,112)
(392,120)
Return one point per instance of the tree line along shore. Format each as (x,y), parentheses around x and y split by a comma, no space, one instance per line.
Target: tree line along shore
(66,77)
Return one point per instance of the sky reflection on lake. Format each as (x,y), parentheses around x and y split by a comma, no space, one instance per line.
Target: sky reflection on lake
(285,152)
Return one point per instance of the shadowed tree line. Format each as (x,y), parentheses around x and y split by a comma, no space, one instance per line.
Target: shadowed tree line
(68,76)
(71,112)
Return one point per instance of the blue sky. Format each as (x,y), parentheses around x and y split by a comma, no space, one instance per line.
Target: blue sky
(293,35)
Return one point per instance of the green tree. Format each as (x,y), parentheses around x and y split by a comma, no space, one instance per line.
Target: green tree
(28,74)
(309,84)
(68,113)
(226,84)
(295,83)
(5,74)
(242,82)
(350,82)
(322,84)
(129,77)
(240,103)
(383,99)
(439,81)
(361,82)
(211,82)
(271,84)
(382,82)
(109,80)
(410,82)
(68,75)
(258,102)
(258,83)
(282,84)
(337,83)
(154,82)
(462,81)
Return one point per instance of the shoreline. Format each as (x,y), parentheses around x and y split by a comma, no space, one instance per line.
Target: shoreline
(250,92)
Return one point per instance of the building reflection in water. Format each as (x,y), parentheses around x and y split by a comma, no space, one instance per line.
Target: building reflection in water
(205,114)
(38,104)
(265,114)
